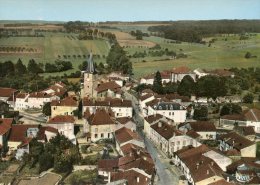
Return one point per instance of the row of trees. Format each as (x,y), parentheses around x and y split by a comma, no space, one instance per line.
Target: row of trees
(194,31)
(8,68)
(138,34)
(91,34)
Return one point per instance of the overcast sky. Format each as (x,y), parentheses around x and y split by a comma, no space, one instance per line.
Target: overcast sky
(128,10)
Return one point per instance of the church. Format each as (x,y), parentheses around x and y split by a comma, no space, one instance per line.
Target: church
(94,87)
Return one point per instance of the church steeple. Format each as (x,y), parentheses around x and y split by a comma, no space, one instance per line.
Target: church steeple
(90,67)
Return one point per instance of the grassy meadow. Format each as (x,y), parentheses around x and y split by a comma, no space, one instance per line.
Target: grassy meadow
(225,52)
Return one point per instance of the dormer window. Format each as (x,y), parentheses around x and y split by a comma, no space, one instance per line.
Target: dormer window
(160,107)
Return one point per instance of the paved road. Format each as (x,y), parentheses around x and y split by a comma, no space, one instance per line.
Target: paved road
(164,175)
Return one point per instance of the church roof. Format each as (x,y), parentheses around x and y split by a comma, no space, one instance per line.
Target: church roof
(90,67)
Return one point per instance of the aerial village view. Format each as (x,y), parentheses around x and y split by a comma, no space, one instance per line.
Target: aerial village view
(119,92)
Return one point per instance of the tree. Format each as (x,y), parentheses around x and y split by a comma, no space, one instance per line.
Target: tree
(46,110)
(62,164)
(33,67)
(20,68)
(187,86)
(230,108)
(201,113)
(248,55)
(157,83)
(211,86)
(248,98)
(45,161)
(118,61)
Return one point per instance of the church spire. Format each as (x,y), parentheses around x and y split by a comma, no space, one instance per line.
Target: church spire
(90,67)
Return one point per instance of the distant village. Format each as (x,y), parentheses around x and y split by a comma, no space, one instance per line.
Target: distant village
(141,135)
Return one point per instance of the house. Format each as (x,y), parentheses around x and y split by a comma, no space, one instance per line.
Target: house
(120,107)
(177,74)
(252,117)
(205,129)
(21,102)
(125,122)
(66,106)
(124,136)
(150,120)
(21,135)
(171,110)
(109,89)
(143,100)
(249,117)
(135,168)
(232,140)
(119,75)
(7,93)
(100,125)
(38,99)
(65,125)
(245,170)
(198,168)
(5,127)
(57,89)
(149,79)
(200,73)
(247,132)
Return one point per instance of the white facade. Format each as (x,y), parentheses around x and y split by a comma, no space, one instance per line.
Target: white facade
(147,81)
(255,124)
(21,103)
(35,102)
(178,116)
(122,112)
(64,128)
(178,77)
(142,104)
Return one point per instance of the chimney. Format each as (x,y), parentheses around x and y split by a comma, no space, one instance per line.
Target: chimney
(2,116)
(137,179)
(227,179)
(159,124)
(233,142)
(207,172)
(212,163)
(197,166)
(138,152)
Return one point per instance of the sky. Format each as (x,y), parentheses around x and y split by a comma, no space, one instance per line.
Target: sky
(128,10)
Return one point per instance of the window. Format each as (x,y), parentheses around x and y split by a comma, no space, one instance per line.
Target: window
(108,135)
(173,143)
(178,142)
(96,135)
(169,113)
(184,143)
(96,129)
(102,135)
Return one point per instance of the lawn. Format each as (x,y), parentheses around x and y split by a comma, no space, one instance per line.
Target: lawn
(81,176)
(49,178)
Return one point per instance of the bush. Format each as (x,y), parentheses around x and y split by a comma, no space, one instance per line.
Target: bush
(248,98)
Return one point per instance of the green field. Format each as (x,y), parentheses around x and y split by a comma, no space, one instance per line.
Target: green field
(221,54)
(54,45)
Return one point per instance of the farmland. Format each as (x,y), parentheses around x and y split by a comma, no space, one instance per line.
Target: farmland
(54,46)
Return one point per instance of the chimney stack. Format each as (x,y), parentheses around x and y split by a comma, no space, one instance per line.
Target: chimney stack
(137,179)
(227,179)
(159,124)
(2,116)
(207,172)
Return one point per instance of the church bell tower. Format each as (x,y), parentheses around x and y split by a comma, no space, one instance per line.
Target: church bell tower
(89,78)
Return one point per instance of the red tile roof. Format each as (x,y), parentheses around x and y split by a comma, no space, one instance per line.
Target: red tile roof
(144,97)
(252,115)
(100,117)
(112,85)
(67,102)
(21,95)
(165,130)
(238,117)
(5,125)
(152,118)
(39,95)
(237,141)
(124,134)
(62,119)
(193,134)
(108,102)
(203,126)
(124,120)
(108,164)
(6,92)
(132,177)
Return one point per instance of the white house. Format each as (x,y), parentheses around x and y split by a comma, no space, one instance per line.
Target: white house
(21,102)
(125,122)
(38,99)
(120,107)
(65,125)
(205,129)
(171,110)
(177,74)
